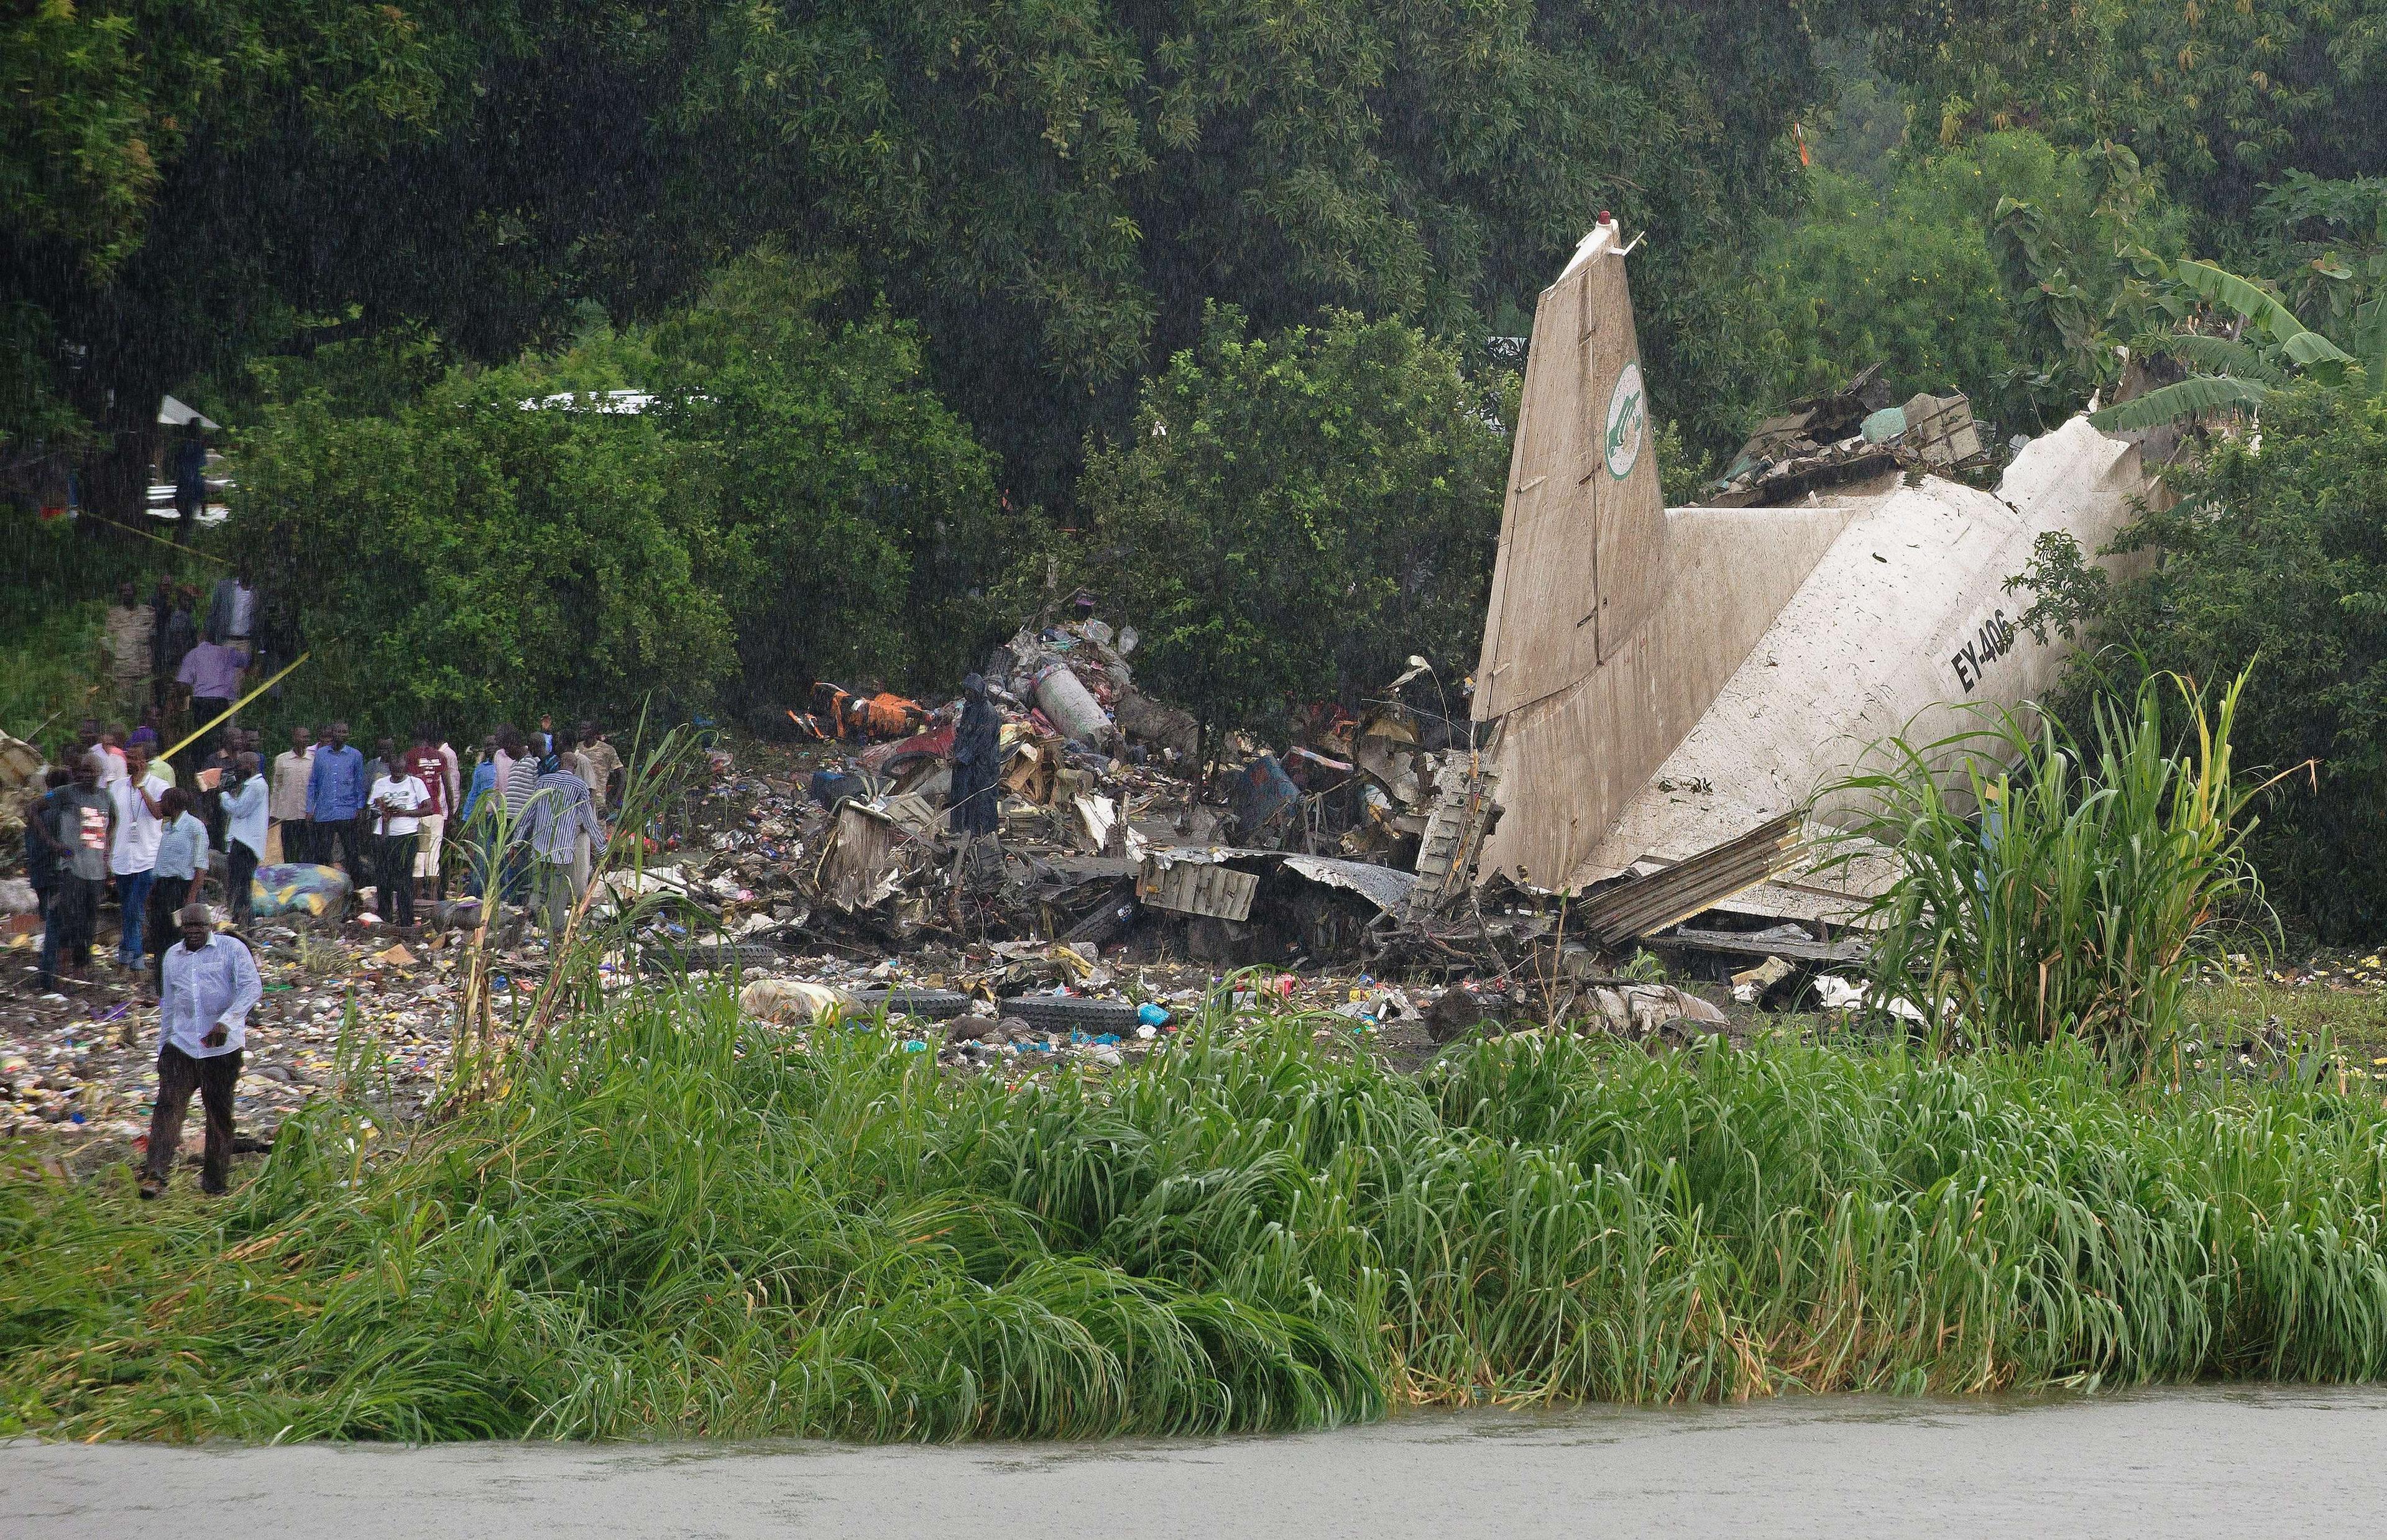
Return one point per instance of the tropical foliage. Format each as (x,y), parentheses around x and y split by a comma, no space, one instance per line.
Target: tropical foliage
(782,492)
(2274,556)
(2058,889)
(1291,517)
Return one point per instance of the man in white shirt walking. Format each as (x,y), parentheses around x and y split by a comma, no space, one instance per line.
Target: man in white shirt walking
(209,986)
(396,801)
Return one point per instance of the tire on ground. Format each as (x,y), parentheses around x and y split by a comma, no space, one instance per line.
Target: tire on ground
(929,1004)
(1061,1013)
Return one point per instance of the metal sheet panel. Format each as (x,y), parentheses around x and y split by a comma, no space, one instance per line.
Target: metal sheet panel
(1196,887)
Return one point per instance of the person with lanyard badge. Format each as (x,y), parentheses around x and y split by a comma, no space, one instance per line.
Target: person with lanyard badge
(133,860)
(395,802)
(174,881)
(245,810)
(207,987)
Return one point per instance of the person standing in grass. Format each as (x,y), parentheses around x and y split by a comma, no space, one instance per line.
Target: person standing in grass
(604,765)
(208,986)
(520,783)
(246,811)
(397,802)
(336,795)
(45,861)
(174,881)
(133,859)
(475,822)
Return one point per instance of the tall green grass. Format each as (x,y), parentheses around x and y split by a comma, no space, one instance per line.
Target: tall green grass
(674,1222)
(2049,889)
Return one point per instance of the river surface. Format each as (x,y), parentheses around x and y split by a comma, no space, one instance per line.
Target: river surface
(2278,1462)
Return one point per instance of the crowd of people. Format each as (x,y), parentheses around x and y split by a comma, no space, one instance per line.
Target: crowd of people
(415,823)
(132,820)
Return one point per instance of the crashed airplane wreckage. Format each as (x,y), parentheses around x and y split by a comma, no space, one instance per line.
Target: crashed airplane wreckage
(1666,688)
(1660,695)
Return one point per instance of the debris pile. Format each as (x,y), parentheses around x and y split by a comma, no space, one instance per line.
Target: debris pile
(1856,432)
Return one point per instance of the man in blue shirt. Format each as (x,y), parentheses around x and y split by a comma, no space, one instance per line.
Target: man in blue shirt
(211,985)
(558,814)
(335,794)
(174,881)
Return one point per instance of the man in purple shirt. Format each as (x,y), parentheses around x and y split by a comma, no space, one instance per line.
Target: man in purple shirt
(211,678)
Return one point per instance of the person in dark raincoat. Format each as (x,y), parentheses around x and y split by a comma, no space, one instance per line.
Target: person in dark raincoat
(977,758)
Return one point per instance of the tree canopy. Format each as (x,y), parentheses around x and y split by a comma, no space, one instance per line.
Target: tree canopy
(1289,518)
(781,495)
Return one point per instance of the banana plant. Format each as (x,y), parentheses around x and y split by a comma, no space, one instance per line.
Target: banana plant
(2238,373)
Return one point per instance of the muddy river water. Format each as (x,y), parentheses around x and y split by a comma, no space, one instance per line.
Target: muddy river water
(2198,1462)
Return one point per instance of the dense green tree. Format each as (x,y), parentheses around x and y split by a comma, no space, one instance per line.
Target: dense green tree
(1289,518)
(1051,191)
(2275,555)
(2220,98)
(1058,189)
(515,538)
(1990,269)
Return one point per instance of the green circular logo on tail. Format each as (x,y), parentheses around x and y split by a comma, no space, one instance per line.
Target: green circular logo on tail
(1628,414)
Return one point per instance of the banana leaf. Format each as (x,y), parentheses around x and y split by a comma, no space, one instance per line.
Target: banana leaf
(2221,356)
(2188,398)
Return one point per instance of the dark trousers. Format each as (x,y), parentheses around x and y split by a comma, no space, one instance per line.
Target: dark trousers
(159,929)
(213,1078)
(68,925)
(48,965)
(240,865)
(335,843)
(204,710)
(393,876)
(297,840)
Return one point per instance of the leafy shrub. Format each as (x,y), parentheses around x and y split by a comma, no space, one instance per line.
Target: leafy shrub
(791,499)
(1293,516)
(2051,890)
(2274,560)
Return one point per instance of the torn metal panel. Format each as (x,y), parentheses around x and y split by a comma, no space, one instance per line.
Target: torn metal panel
(1897,627)
(1385,887)
(1639,906)
(859,870)
(1196,882)
(1466,795)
